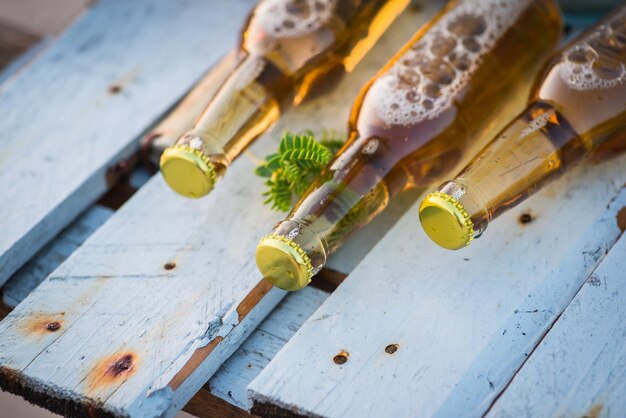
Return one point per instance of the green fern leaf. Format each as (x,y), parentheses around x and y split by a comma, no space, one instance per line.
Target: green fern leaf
(299,160)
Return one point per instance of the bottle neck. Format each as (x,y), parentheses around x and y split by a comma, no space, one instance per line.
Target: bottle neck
(531,151)
(244,107)
(337,205)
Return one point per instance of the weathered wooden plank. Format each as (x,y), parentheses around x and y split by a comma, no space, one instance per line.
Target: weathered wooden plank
(464,321)
(232,379)
(135,334)
(579,369)
(52,255)
(86,102)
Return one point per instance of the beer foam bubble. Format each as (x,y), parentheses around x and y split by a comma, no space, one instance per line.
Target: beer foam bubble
(293,18)
(425,80)
(597,61)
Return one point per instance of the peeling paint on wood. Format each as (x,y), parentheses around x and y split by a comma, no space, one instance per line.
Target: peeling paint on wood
(231,380)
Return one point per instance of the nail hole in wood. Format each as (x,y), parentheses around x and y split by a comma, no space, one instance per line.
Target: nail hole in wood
(53,326)
(115,88)
(169,266)
(525,218)
(341,357)
(392,348)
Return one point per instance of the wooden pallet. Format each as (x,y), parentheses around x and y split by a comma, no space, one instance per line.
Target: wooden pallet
(156,306)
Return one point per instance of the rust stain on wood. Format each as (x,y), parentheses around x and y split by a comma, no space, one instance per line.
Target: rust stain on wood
(253,298)
(201,354)
(114,369)
(621,219)
(193,363)
(41,324)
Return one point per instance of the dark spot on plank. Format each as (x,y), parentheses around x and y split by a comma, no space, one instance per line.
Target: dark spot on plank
(170,266)
(621,219)
(415,6)
(53,326)
(120,365)
(594,280)
(341,357)
(392,348)
(114,369)
(525,218)
(41,324)
(115,88)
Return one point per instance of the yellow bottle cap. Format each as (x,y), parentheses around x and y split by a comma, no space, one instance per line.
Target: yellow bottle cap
(446,221)
(188,171)
(283,263)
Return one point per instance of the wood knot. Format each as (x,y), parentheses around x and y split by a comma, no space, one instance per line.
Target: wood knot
(392,348)
(341,357)
(169,266)
(525,218)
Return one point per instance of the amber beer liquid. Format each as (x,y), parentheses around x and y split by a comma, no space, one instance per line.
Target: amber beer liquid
(286,48)
(579,103)
(413,122)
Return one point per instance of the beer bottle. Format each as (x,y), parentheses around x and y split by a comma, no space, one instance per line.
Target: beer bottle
(413,123)
(287,46)
(579,103)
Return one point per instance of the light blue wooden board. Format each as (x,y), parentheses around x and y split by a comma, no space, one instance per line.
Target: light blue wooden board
(26,279)
(61,127)
(465,321)
(113,294)
(232,379)
(579,369)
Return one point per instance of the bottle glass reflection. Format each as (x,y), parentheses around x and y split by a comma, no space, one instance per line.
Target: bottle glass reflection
(413,123)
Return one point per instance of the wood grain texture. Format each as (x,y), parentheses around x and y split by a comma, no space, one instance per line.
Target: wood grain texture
(52,255)
(232,379)
(87,101)
(128,327)
(464,321)
(579,369)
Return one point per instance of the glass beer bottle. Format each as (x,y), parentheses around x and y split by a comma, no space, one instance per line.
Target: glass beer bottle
(287,46)
(578,104)
(413,123)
